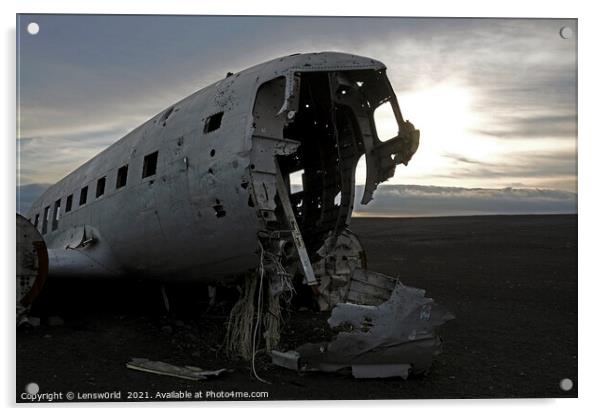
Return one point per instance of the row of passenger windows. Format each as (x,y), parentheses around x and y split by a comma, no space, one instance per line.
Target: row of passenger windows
(149,168)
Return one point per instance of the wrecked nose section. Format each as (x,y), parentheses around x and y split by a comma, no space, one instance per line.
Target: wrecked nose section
(394,339)
(382,159)
(304,155)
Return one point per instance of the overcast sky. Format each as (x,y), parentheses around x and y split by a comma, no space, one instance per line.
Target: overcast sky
(495,99)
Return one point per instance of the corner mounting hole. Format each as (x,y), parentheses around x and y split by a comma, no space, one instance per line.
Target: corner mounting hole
(566,384)
(212,153)
(33,28)
(566,33)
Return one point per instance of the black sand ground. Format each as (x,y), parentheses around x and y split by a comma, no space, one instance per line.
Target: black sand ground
(511,282)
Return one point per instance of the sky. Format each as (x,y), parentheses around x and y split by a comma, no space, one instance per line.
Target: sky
(494,99)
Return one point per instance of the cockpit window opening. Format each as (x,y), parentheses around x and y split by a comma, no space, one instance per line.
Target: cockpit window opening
(385,122)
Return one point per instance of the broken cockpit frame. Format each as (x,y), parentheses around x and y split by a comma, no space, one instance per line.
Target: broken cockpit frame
(325,125)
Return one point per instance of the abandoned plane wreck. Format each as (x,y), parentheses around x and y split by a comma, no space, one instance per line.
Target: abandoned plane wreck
(202,192)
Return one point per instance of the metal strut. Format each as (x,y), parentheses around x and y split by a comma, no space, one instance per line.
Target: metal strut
(308,271)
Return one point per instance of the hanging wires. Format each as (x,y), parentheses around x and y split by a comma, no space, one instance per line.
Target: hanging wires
(259,314)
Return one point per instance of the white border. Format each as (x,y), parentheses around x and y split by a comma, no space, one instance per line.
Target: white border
(589,159)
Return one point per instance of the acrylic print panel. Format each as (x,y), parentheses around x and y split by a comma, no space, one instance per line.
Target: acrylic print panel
(275,208)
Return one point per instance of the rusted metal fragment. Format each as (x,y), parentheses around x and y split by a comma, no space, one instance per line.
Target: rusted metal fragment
(166,369)
(380,341)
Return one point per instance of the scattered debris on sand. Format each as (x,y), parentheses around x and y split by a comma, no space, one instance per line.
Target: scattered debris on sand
(166,369)
(393,339)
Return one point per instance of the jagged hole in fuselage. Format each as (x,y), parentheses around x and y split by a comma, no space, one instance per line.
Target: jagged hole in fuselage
(321,173)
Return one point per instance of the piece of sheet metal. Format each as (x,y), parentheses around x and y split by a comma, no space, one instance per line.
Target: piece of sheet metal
(396,338)
(166,369)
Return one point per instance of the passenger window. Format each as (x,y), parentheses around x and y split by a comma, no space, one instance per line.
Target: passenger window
(56,215)
(149,168)
(122,177)
(213,123)
(83,196)
(69,203)
(100,187)
(45,219)
(36,221)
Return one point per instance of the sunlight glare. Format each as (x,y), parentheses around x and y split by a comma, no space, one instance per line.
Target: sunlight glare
(446,120)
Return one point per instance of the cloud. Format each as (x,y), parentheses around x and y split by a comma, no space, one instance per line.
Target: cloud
(462,159)
(47,159)
(524,165)
(543,127)
(413,200)
(423,201)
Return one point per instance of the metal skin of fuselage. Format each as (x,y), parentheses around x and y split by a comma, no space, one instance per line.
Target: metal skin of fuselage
(200,215)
